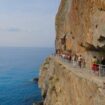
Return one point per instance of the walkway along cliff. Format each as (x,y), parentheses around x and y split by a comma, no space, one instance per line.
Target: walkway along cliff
(80,29)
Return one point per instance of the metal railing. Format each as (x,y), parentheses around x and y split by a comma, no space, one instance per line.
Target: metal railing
(101,68)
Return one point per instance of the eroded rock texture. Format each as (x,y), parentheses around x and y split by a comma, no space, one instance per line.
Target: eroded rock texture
(62,85)
(81,26)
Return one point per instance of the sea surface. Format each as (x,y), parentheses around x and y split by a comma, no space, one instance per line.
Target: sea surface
(18,66)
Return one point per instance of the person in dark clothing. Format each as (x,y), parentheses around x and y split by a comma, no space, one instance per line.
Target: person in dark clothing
(103,61)
(102,66)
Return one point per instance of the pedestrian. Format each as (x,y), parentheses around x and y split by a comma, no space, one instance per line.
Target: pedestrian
(74,60)
(80,61)
(94,63)
(103,61)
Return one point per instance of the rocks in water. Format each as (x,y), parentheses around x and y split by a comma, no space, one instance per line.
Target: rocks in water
(35,80)
(38,103)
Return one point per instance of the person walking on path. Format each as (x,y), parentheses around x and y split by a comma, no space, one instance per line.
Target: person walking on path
(80,61)
(74,60)
(95,66)
(103,61)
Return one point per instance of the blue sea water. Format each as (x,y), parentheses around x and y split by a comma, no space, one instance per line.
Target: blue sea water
(18,66)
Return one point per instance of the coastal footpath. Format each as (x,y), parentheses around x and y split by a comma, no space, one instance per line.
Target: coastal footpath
(65,85)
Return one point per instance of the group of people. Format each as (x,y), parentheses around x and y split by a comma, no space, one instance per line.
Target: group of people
(77,60)
(96,63)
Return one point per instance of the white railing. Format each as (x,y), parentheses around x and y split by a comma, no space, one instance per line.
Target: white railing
(101,70)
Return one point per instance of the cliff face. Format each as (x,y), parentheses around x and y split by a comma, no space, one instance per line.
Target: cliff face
(80,28)
(64,85)
(81,24)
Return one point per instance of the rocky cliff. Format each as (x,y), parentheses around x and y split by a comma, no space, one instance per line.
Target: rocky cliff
(64,85)
(80,27)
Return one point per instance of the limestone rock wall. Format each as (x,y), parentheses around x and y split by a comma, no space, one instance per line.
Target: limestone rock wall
(82,24)
(62,85)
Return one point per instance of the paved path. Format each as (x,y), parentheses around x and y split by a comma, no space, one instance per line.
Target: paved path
(76,68)
(70,64)
(85,73)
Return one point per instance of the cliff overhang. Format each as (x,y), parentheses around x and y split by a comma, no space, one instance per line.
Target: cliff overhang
(82,24)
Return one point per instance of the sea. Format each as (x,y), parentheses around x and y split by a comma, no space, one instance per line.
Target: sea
(18,67)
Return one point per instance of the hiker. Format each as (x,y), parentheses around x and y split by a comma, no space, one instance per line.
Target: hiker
(69,57)
(74,60)
(103,61)
(63,56)
(95,66)
(80,61)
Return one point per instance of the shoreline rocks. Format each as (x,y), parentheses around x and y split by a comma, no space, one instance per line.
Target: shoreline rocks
(36,79)
(38,103)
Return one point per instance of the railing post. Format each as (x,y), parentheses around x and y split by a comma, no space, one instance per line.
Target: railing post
(101,70)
